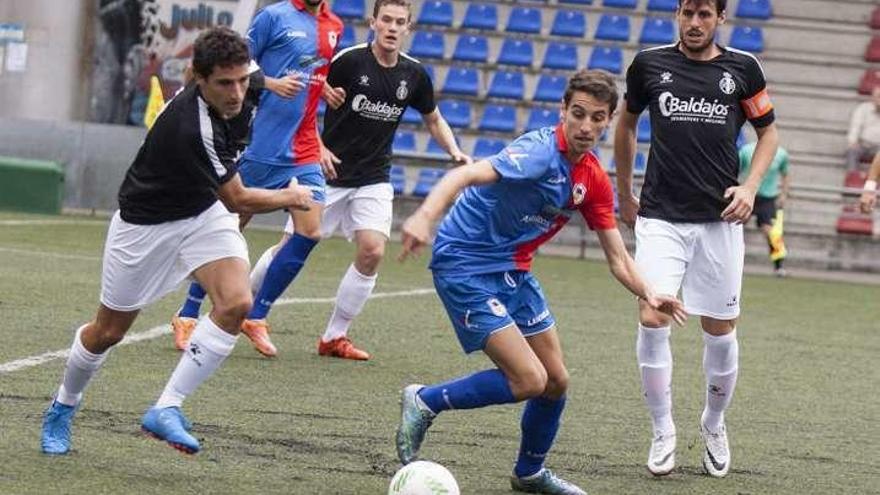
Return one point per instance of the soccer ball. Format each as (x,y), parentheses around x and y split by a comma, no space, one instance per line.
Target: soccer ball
(423,478)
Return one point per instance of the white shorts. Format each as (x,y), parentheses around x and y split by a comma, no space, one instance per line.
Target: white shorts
(350,209)
(142,263)
(704,260)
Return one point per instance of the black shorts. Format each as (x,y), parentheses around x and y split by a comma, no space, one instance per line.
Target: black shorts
(765,210)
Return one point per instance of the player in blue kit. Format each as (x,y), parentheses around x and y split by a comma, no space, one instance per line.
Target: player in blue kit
(510,204)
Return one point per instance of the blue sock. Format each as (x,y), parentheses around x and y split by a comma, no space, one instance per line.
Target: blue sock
(540,422)
(483,388)
(193,301)
(281,272)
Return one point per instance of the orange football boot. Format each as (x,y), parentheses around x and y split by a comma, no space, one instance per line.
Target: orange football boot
(182,327)
(342,348)
(258,332)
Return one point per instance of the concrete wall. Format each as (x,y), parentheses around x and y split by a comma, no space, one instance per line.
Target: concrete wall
(54,85)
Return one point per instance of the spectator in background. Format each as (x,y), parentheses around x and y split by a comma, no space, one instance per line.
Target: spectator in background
(869,195)
(864,131)
(769,201)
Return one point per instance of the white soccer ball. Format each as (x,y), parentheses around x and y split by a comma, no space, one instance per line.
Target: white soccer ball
(423,478)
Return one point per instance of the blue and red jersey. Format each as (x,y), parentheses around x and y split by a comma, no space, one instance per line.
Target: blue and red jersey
(499,227)
(285,38)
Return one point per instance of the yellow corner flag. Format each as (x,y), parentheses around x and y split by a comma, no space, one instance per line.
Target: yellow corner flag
(777,244)
(155,102)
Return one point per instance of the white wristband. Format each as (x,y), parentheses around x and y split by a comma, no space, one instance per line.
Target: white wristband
(870,185)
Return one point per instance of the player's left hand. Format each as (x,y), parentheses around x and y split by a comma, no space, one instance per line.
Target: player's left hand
(414,235)
(334,97)
(742,200)
(460,158)
(328,163)
(669,305)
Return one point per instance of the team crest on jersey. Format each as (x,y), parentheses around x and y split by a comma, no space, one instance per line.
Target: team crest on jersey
(332,37)
(666,77)
(727,84)
(496,307)
(402,91)
(578,193)
(365,81)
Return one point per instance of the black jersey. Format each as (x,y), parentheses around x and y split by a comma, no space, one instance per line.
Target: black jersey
(697,109)
(186,156)
(360,132)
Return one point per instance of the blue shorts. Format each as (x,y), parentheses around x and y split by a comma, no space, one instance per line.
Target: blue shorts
(257,174)
(479,305)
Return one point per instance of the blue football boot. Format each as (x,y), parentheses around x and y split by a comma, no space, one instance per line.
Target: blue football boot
(169,424)
(414,422)
(56,428)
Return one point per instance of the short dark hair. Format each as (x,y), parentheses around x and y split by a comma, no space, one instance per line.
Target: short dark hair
(720,5)
(218,46)
(381,3)
(596,83)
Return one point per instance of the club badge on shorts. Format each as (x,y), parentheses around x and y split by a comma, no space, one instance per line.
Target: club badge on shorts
(496,307)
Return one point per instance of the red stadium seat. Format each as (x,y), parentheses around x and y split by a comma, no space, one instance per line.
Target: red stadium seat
(870,80)
(872,53)
(875,18)
(851,221)
(855,179)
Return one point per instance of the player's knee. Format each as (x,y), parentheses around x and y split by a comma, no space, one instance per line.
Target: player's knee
(531,383)
(557,384)
(236,307)
(107,336)
(313,232)
(370,256)
(651,318)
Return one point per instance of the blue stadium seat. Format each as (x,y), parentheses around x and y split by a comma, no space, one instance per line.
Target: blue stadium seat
(428,178)
(643,131)
(662,5)
(740,139)
(437,13)
(462,81)
(560,56)
(411,116)
(349,8)
(485,147)
(403,141)
(608,58)
(640,164)
(657,31)
(524,20)
(498,118)
(427,44)
(569,23)
(507,84)
(542,117)
(578,2)
(430,70)
(322,107)
(471,49)
(623,4)
(457,113)
(398,179)
(434,147)
(754,9)
(516,52)
(748,38)
(349,38)
(613,27)
(550,88)
(480,16)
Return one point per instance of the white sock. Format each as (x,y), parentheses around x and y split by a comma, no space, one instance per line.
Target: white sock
(655,365)
(354,290)
(81,366)
(258,273)
(720,363)
(207,349)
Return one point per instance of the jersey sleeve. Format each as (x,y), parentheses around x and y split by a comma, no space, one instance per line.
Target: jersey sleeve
(341,69)
(423,98)
(637,98)
(598,208)
(221,155)
(259,34)
(756,102)
(526,158)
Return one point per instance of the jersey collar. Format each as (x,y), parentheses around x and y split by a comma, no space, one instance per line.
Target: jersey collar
(301,5)
(561,143)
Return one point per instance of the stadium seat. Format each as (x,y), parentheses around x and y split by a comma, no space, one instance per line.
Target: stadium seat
(569,23)
(608,58)
(560,56)
(754,9)
(870,80)
(662,5)
(411,116)
(550,88)
(578,2)
(348,39)
(484,147)
(404,141)
(498,118)
(480,16)
(643,131)
(427,44)
(471,49)
(524,20)
(461,81)
(428,177)
(322,107)
(855,179)
(640,164)
(516,52)
(507,84)
(875,18)
(542,117)
(657,31)
(434,147)
(398,179)
(748,38)
(456,113)
(851,221)
(350,8)
(623,4)
(613,28)
(437,13)
(872,52)
(740,139)
(430,70)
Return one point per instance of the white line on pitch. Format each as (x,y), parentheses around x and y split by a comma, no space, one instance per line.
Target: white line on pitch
(164,329)
(29,223)
(50,254)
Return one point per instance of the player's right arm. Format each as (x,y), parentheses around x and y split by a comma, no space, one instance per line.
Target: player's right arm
(869,195)
(624,153)
(241,199)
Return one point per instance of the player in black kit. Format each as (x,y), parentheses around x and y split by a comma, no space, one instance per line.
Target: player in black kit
(688,223)
(375,83)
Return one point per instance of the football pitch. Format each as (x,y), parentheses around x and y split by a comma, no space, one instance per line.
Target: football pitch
(804,418)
